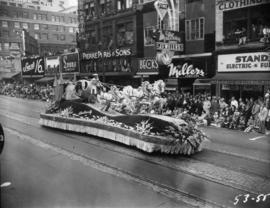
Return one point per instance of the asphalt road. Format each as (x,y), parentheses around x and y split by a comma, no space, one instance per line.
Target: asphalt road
(72,170)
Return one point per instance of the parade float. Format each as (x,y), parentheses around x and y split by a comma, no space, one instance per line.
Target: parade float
(126,115)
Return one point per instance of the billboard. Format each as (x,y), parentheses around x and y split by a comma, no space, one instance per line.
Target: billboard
(52,65)
(33,67)
(70,63)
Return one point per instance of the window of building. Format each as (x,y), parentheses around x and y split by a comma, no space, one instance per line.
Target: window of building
(25,15)
(129,4)
(55,36)
(25,25)
(5,33)
(39,17)
(125,34)
(0,46)
(44,17)
(57,19)
(16,25)
(92,12)
(70,29)
(62,37)
(37,36)
(34,16)
(148,36)
(92,37)
(107,38)
(14,46)
(53,18)
(62,19)
(36,26)
(6,46)
(195,29)
(44,27)
(44,36)
(73,38)
(120,5)
(4,24)
(102,7)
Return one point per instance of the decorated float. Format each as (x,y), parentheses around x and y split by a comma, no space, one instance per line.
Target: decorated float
(124,114)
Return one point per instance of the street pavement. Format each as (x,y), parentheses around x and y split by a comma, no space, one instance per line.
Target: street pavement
(232,163)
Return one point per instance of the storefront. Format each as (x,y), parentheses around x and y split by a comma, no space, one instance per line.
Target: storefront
(242,75)
(188,68)
(109,65)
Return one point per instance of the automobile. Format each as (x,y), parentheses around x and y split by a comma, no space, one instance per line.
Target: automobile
(2,138)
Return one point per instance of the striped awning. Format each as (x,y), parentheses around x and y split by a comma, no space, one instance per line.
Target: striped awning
(257,78)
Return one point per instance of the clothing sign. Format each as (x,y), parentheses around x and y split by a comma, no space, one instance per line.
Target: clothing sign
(52,65)
(33,67)
(244,62)
(147,66)
(185,71)
(70,63)
(236,4)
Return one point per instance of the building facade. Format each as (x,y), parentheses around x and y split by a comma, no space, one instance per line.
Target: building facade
(107,38)
(54,30)
(242,48)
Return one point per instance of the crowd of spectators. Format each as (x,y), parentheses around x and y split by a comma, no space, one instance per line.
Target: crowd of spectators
(243,114)
(28,91)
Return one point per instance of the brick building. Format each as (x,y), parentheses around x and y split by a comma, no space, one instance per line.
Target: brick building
(53,25)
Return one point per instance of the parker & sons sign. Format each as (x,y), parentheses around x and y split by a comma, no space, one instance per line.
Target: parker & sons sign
(244,62)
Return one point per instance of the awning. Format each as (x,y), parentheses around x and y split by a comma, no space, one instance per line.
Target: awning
(8,75)
(202,82)
(45,80)
(242,78)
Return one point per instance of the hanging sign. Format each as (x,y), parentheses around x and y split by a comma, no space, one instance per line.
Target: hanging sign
(185,71)
(52,65)
(33,67)
(162,8)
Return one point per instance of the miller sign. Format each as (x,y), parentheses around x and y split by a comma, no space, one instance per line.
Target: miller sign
(185,71)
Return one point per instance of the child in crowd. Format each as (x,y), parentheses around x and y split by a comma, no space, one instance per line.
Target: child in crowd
(251,125)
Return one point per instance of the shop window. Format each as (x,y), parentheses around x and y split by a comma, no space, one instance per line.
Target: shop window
(16,25)
(36,26)
(251,23)
(4,24)
(195,29)
(148,36)
(125,34)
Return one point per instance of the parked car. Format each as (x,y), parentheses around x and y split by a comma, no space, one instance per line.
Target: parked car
(2,138)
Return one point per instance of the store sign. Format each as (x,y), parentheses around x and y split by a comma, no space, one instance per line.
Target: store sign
(70,63)
(185,71)
(236,4)
(33,67)
(244,62)
(162,8)
(170,40)
(52,65)
(148,66)
(106,54)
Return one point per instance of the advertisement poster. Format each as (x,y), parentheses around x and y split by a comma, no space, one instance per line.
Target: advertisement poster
(244,62)
(70,63)
(52,65)
(147,66)
(33,67)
